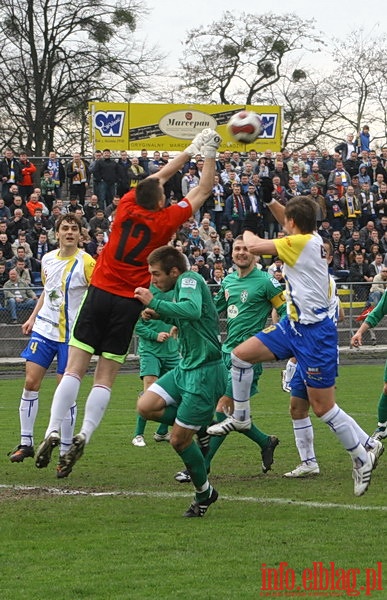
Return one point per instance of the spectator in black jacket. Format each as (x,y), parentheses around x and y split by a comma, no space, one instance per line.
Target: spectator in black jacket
(106,175)
(124,164)
(10,171)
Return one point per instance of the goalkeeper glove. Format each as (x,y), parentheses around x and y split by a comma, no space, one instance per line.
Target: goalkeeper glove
(250,223)
(267,188)
(211,142)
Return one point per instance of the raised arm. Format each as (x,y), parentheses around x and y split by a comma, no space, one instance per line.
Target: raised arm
(198,195)
(177,163)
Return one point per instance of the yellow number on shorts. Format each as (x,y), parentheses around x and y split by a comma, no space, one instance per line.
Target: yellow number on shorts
(269,329)
(34,347)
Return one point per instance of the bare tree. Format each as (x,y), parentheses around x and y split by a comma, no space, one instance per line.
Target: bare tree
(235,60)
(358,83)
(56,55)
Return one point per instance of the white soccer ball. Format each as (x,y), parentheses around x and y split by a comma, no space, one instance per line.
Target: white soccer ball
(245,126)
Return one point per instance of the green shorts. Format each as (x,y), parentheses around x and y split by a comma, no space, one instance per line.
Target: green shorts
(257,370)
(157,365)
(195,392)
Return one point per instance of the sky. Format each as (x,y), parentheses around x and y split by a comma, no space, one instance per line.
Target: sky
(169,20)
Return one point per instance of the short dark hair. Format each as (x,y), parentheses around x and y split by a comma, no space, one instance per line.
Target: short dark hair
(68,218)
(303,211)
(168,258)
(148,193)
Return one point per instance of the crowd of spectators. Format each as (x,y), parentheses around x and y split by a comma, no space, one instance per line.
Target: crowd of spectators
(348,185)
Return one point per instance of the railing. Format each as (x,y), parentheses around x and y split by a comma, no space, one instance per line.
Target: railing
(12,340)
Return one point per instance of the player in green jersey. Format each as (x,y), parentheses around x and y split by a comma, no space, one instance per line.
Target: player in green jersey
(374,317)
(158,353)
(248,296)
(186,397)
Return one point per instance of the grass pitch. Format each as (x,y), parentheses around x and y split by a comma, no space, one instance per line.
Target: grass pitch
(113,530)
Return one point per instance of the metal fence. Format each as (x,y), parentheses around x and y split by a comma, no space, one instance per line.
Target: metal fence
(12,340)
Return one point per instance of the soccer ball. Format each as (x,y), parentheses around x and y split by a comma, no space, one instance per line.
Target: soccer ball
(245,126)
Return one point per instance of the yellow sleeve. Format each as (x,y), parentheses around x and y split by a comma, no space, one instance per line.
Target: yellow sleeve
(89,264)
(289,248)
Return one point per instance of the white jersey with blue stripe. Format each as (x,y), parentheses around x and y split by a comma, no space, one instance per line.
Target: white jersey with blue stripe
(65,282)
(306,276)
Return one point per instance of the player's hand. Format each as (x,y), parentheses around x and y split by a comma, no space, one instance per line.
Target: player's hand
(163,336)
(144,295)
(28,325)
(196,144)
(356,340)
(267,189)
(149,314)
(250,223)
(225,405)
(211,142)
(174,332)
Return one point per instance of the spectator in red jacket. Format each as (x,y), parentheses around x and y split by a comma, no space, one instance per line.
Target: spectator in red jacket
(26,183)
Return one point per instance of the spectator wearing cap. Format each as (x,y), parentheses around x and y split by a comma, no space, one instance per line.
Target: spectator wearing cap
(190,180)
(203,270)
(334,209)
(325,230)
(73,205)
(38,218)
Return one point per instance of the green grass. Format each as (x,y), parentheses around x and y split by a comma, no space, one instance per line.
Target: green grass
(136,545)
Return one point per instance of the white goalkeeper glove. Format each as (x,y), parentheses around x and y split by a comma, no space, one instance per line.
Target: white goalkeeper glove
(211,142)
(196,144)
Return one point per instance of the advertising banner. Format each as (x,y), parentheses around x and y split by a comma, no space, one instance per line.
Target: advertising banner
(171,126)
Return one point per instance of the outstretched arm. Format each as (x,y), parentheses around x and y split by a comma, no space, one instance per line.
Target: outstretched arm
(177,163)
(198,195)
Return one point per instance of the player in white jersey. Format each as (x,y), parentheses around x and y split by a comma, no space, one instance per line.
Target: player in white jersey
(299,403)
(66,274)
(306,332)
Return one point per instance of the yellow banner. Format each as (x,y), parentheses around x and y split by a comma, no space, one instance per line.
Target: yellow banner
(171,126)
